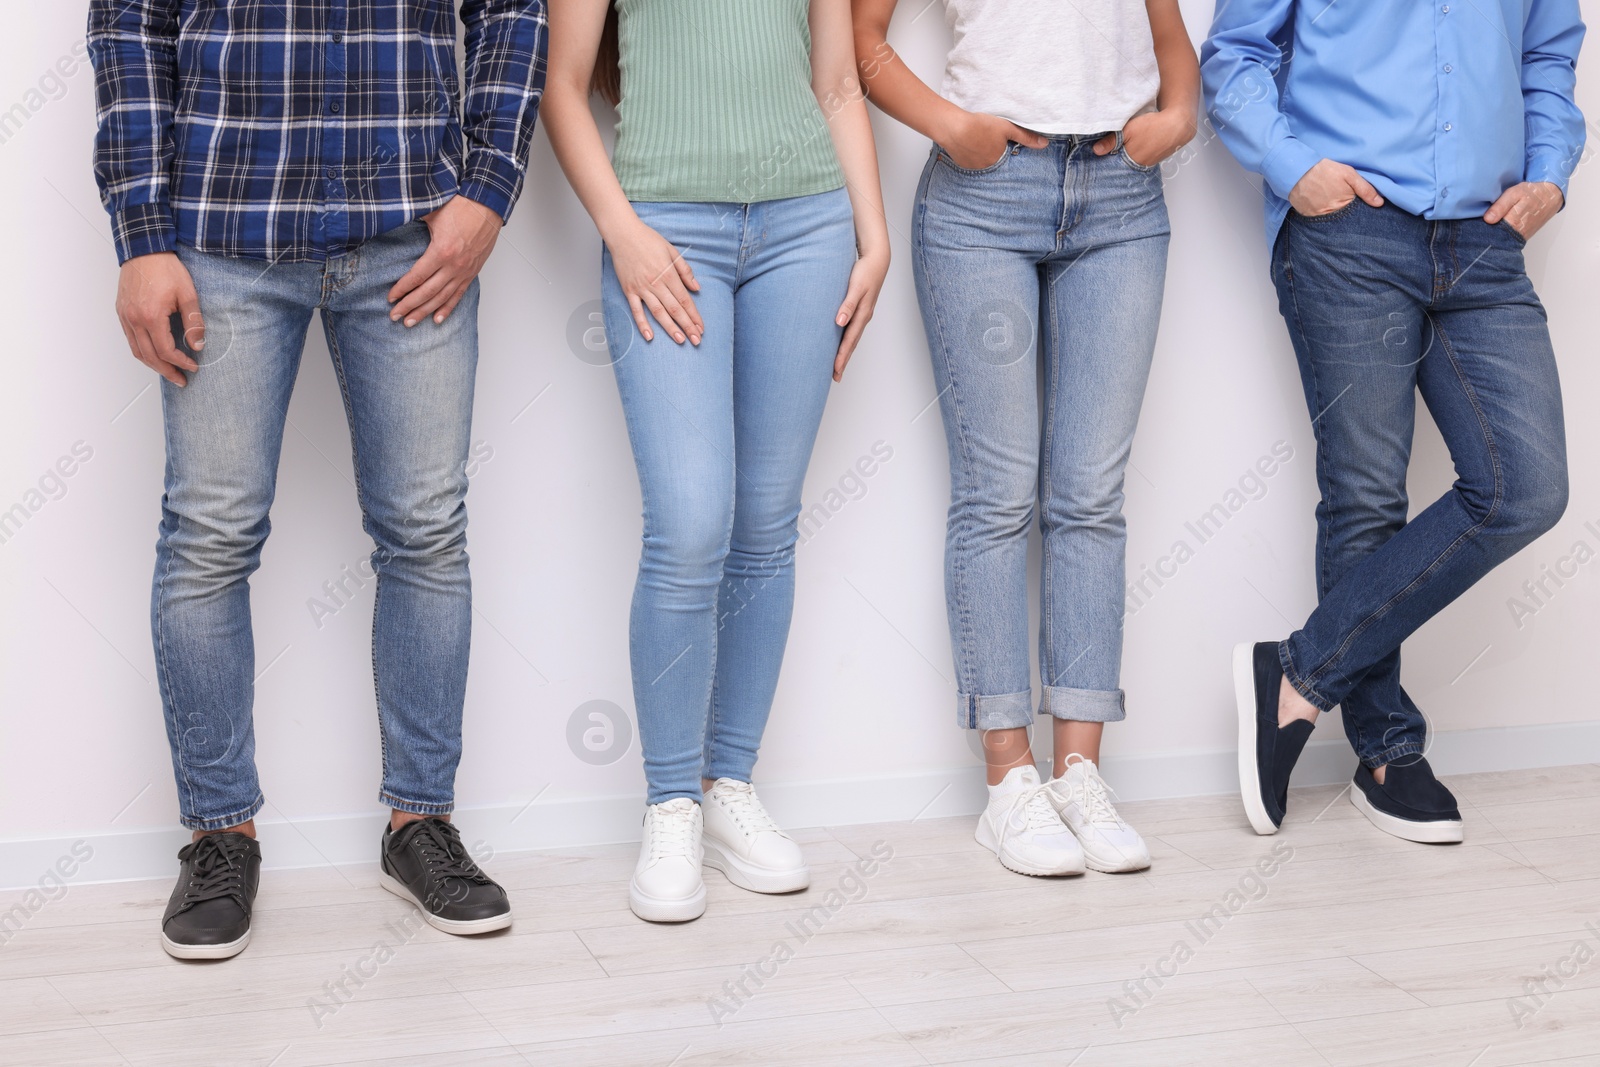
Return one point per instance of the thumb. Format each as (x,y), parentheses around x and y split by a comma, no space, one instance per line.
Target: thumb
(194,324)
(1106,145)
(1499,208)
(1364,189)
(1028,137)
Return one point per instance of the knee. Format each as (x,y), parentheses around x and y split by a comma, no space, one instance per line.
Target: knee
(1531,505)
(1086,506)
(687,548)
(212,543)
(993,511)
(429,531)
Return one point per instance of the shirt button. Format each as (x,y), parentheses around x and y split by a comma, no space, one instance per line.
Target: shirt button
(1448,68)
(335,108)
(1448,127)
(1445,9)
(338,38)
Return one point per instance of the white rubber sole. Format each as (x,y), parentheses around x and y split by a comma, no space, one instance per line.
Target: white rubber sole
(204,952)
(1439,832)
(459,927)
(1244,693)
(660,910)
(746,875)
(1121,865)
(986,838)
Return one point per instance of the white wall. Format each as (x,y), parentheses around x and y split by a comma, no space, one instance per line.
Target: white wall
(866,694)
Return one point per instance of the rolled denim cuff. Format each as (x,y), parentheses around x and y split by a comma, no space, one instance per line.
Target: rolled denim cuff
(208,823)
(1084,705)
(1005,711)
(414,807)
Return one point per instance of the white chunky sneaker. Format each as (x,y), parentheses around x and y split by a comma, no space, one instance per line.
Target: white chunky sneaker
(666,886)
(745,844)
(1022,828)
(1081,797)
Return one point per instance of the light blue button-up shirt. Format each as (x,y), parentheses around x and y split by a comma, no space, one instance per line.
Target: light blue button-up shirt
(1441,105)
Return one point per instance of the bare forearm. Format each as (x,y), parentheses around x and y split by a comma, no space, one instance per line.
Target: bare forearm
(582,155)
(843,102)
(892,85)
(1176,61)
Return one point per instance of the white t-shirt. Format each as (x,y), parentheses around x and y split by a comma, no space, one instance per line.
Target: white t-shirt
(1054,66)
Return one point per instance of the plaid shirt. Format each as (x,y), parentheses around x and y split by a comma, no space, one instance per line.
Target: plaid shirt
(295,130)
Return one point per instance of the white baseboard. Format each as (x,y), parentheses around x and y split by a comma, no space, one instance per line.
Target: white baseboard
(558,823)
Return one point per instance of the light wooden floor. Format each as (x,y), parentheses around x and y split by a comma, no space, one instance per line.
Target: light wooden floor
(1358,950)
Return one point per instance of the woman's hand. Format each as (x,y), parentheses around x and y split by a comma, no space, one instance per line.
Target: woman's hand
(654,275)
(860,299)
(977,141)
(1151,137)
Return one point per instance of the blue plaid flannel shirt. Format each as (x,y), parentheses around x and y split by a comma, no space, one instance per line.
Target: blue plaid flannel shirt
(294,130)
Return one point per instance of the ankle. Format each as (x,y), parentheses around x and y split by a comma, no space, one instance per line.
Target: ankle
(247,828)
(398,819)
(1378,772)
(1292,706)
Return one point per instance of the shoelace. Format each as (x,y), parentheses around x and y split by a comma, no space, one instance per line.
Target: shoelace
(739,800)
(672,830)
(1092,797)
(1033,806)
(218,872)
(439,846)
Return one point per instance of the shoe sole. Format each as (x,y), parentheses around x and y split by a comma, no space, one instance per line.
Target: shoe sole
(459,927)
(987,840)
(746,875)
(659,910)
(1437,832)
(204,952)
(1122,867)
(1244,692)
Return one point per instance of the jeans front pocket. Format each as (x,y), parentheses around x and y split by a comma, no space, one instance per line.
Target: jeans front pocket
(1010,150)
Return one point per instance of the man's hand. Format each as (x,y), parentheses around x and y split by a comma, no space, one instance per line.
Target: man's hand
(461,236)
(980,141)
(150,290)
(1151,137)
(1526,207)
(1329,186)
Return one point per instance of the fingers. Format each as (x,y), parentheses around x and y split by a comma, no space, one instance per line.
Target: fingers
(670,312)
(638,317)
(426,266)
(686,273)
(659,312)
(443,313)
(149,354)
(847,347)
(422,300)
(683,310)
(157,331)
(847,310)
(1106,145)
(1363,188)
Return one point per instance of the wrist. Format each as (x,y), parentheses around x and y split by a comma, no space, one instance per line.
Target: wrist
(948,124)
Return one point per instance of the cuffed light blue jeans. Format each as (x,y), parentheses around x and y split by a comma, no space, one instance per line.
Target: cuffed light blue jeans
(408,399)
(1040,279)
(722,434)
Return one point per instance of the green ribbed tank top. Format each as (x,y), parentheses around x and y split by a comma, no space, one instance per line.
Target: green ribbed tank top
(717,103)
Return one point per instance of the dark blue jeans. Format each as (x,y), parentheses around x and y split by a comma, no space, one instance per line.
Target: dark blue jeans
(1382,305)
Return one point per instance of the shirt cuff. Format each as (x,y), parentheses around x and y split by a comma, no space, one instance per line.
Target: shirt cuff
(1287,164)
(1548,167)
(491,181)
(143,229)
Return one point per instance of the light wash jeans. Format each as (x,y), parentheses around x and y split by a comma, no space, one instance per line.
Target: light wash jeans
(721,435)
(1383,305)
(1043,271)
(408,398)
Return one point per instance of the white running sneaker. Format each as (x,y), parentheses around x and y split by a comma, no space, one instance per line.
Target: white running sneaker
(1022,828)
(1082,798)
(745,844)
(666,886)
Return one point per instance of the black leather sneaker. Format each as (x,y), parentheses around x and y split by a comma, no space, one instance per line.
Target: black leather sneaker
(424,862)
(1411,803)
(1267,751)
(208,917)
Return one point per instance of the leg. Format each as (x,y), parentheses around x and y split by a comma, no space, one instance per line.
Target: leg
(977,242)
(678,402)
(1352,291)
(1489,379)
(1102,305)
(408,397)
(785,339)
(224,433)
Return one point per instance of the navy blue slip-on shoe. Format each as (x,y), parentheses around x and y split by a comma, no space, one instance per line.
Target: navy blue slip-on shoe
(1411,803)
(1267,752)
